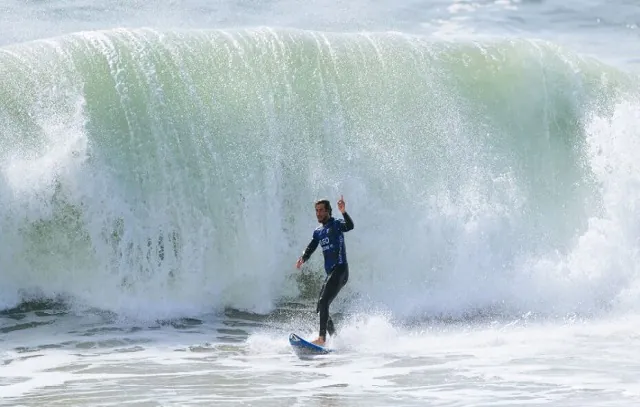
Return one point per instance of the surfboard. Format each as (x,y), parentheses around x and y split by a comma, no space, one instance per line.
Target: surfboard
(306,348)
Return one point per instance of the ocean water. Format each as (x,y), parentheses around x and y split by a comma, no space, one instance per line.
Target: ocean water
(159,164)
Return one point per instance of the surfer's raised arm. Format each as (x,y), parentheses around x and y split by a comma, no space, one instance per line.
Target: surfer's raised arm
(347,225)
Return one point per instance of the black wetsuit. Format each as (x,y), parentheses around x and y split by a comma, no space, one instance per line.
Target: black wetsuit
(330,236)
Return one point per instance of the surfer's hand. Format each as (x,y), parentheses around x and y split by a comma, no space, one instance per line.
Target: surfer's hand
(341,204)
(299,263)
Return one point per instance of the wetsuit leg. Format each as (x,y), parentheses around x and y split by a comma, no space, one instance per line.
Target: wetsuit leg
(331,329)
(331,287)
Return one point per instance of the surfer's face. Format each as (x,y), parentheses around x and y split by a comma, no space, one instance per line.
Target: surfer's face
(321,213)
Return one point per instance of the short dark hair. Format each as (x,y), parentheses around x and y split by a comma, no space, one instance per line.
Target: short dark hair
(326,203)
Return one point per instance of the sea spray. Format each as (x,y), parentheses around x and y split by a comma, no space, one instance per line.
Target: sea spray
(162,174)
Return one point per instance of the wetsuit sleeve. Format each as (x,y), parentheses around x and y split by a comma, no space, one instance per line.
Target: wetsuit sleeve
(341,246)
(347,225)
(311,247)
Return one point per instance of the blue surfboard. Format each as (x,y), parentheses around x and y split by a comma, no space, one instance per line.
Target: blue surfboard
(306,348)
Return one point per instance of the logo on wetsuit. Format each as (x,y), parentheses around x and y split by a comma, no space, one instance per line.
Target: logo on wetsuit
(325,242)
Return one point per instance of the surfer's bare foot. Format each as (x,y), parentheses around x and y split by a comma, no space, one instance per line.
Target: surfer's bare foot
(319,341)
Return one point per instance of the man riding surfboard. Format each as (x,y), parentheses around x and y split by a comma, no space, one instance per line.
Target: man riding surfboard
(330,236)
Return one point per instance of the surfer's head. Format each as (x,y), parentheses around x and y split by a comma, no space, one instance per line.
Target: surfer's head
(323,210)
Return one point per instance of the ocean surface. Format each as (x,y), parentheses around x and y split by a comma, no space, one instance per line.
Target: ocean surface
(158,167)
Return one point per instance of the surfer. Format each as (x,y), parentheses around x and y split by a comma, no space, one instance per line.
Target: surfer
(330,236)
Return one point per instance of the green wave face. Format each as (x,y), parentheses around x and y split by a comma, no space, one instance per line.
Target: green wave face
(173,172)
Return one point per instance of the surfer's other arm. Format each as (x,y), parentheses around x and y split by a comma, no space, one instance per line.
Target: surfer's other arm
(311,247)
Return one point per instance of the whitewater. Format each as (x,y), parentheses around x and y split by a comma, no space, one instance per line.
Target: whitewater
(157,187)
